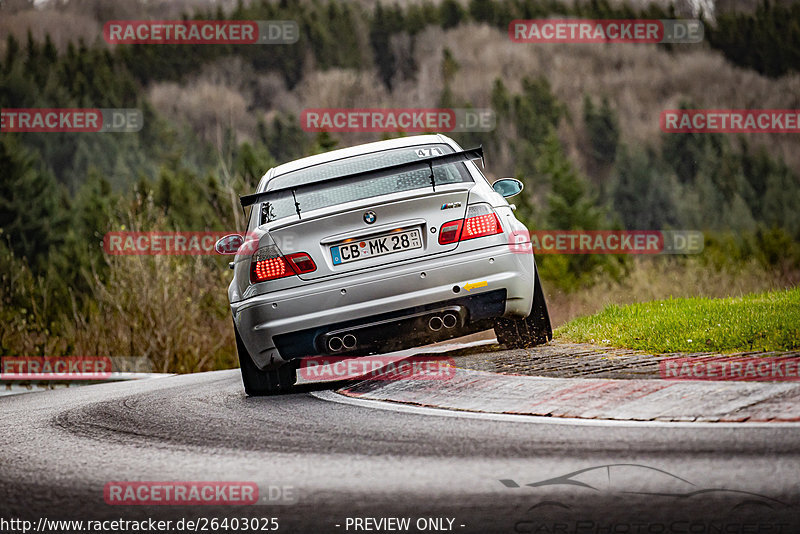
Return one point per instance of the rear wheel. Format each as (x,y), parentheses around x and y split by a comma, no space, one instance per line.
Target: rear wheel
(258,382)
(535,329)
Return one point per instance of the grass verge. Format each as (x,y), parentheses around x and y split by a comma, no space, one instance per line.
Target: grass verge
(756,322)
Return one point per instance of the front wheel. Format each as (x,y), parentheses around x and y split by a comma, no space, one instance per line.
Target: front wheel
(258,382)
(535,329)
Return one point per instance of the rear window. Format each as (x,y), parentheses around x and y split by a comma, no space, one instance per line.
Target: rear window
(350,189)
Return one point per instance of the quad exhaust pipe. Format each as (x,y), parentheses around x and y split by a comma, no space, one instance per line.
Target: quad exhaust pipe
(335,344)
(448,320)
(369,336)
(346,342)
(349,341)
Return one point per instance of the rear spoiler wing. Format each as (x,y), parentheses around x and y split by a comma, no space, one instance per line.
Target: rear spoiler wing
(417,165)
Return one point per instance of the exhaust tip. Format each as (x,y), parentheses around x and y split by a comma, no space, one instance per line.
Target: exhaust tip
(335,344)
(435,323)
(349,341)
(449,320)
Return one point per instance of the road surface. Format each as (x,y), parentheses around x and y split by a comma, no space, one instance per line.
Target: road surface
(325,463)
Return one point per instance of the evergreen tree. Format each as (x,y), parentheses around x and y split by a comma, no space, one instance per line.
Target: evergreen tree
(643,191)
(251,162)
(571,206)
(500,99)
(767,40)
(324,143)
(602,127)
(483,11)
(12,52)
(285,140)
(537,111)
(31,211)
(452,14)
(449,66)
(384,24)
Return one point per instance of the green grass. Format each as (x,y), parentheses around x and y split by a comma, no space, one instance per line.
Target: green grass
(755,322)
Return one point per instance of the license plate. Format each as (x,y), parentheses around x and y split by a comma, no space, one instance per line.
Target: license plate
(375,246)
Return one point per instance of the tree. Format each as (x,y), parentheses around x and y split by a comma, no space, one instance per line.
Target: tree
(383,26)
(602,127)
(450,66)
(643,191)
(767,40)
(284,138)
(452,14)
(324,142)
(571,206)
(684,151)
(31,213)
(483,11)
(251,162)
(537,111)
(501,100)
(12,52)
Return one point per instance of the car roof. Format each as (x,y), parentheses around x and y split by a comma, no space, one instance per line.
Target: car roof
(357,150)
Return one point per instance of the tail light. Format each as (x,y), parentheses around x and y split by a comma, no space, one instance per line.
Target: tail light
(480,221)
(450,232)
(301,263)
(269,264)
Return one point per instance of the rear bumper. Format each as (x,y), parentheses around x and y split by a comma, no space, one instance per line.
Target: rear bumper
(288,324)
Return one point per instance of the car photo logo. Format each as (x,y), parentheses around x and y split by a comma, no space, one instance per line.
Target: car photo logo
(633,480)
(370,217)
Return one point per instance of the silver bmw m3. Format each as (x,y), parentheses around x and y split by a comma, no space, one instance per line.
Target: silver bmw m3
(374,248)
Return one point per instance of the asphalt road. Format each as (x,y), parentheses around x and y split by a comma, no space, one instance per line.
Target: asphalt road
(320,463)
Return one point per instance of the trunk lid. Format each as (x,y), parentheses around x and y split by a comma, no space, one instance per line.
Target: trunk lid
(372,233)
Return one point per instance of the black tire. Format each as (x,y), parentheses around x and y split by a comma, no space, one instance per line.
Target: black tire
(535,329)
(258,382)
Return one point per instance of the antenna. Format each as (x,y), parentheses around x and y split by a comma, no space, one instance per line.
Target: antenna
(296,205)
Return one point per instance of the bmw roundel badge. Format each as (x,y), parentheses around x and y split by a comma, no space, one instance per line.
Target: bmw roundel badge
(370,217)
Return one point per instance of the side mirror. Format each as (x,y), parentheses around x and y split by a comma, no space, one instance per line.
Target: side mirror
(228,244)
(508,187)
